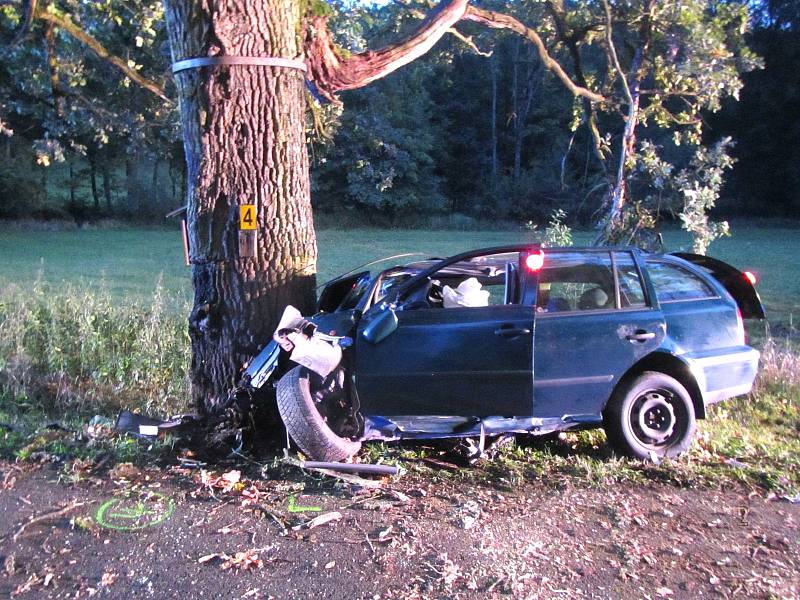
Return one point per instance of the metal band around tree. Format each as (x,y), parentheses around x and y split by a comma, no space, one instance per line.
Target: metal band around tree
(212,61)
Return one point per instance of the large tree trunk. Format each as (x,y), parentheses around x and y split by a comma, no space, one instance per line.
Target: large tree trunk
(243,133)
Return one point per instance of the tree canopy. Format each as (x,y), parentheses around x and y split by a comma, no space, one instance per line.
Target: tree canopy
(479,126)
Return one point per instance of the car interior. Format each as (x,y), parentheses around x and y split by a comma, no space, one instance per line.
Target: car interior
(570,281)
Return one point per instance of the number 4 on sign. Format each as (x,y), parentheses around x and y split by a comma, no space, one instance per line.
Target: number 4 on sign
(247,216)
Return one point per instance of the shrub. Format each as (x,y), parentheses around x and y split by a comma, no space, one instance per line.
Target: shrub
(78,351)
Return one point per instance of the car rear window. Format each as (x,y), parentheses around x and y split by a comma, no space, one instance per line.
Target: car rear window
(675,284)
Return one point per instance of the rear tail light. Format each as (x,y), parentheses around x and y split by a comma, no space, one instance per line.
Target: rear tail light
(751,277)
(741,333)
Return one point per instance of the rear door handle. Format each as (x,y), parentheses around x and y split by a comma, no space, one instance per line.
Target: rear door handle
(640,336)
(510,331)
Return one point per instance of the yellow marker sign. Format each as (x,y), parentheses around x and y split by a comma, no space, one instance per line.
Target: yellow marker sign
(247,216)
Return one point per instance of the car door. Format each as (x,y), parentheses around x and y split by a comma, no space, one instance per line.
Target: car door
(594,320)
(462,361)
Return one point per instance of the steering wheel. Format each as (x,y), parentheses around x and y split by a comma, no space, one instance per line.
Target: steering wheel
(434,296)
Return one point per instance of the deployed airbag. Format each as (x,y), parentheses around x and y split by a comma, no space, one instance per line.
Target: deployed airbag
(468,293)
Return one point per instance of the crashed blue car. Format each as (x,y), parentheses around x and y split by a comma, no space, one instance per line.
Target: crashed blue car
(515,340)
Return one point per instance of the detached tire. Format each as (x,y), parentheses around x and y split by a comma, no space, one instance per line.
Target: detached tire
(651,414)
(304,422)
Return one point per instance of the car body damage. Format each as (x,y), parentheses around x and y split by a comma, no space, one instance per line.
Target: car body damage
(515,339)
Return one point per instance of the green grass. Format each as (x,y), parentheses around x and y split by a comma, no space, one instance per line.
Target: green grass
(130,262)
(92,321)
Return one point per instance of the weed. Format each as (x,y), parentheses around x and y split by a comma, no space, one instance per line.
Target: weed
(79,351)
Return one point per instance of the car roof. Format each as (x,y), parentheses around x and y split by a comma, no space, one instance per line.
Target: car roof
(494,258)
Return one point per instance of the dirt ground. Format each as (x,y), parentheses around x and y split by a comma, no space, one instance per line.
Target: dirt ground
(252,537)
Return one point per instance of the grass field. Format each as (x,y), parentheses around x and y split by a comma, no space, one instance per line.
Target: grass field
(130,262)
(85,328)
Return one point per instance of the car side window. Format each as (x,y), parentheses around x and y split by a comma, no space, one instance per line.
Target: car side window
(674,283)
(488,280)
(575,281)
(631,290)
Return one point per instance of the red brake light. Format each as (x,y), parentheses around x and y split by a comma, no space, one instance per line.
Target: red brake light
(535,261)
(751,277)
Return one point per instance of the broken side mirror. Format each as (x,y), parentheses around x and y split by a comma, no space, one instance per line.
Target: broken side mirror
(382,325)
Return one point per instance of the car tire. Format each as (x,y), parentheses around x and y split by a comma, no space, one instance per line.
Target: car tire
(305,424)
(649,415)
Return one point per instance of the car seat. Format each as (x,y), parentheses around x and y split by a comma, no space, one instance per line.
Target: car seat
(593,299)
(557,304)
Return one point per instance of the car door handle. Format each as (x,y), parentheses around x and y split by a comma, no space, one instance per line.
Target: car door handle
(640,336)
(512,331)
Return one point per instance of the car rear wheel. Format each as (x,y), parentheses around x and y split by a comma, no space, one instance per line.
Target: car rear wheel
(300,399)
(652,414)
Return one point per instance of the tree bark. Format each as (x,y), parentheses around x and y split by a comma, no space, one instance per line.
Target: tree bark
(72,184)
(521,112)
(515,109)
(132,195)
(244,140)
(153,200)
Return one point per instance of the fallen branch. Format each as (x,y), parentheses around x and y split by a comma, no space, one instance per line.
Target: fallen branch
(46,516)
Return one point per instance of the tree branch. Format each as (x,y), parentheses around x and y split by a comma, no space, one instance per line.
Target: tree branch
(332,73)
(468,41)
(497,20)
(29,9)
(571,39)
(613,52)
(64,23)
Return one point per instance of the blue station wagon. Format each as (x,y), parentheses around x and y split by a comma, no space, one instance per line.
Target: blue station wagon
(516,339)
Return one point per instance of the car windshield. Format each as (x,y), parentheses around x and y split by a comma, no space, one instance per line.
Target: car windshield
(388,281)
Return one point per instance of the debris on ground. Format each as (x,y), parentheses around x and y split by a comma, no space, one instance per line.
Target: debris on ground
(323,519)
(241,561)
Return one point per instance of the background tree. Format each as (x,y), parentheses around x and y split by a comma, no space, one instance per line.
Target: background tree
(666,63)
(766,176)
(74,100)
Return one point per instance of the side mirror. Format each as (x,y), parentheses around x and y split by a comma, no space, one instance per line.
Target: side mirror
(381,326)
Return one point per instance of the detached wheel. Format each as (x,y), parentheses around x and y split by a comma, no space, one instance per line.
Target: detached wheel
(652,413)
(300,400)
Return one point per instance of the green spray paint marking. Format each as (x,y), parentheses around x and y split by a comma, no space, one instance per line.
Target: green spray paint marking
(131,514)
(293,508)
